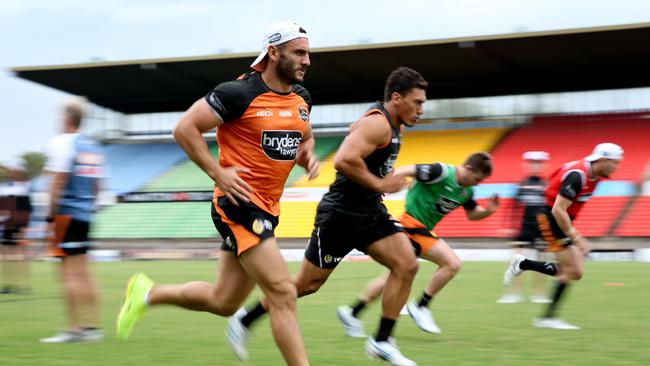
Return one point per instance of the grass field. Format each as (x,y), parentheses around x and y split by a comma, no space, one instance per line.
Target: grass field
(615,322)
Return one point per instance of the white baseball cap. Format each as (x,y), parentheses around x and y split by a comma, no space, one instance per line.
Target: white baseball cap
(535,155)
(606,150)
(277,34)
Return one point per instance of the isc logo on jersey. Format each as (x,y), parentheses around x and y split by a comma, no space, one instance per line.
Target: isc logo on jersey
(281,145)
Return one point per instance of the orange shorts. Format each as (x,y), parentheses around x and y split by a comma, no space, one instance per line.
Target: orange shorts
(241,227)
(421,238)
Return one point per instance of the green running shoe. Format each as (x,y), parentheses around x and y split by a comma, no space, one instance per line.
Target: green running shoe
(134,305)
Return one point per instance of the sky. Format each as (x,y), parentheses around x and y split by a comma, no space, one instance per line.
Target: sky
(45,32)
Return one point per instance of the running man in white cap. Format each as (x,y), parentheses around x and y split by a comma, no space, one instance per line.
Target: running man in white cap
(568,190)
(528,202)
(263,127)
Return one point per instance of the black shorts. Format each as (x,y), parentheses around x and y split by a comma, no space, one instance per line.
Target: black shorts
(335,236)
(23,204)
(10,235)
(19,208)
(241,227)
(529,237)
(556,240)
(70,237)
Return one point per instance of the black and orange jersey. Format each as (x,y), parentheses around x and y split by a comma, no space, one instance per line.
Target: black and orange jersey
(350,198)
(261,131)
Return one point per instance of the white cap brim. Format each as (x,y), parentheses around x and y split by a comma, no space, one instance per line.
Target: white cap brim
(535,156)
(257,65)
(606,150)
(594,157)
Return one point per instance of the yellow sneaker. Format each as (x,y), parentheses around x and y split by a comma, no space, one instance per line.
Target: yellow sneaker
(134,306)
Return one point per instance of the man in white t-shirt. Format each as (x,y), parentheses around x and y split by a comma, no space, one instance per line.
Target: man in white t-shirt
(76,164)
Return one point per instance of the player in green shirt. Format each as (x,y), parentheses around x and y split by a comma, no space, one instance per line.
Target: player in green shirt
(438,189)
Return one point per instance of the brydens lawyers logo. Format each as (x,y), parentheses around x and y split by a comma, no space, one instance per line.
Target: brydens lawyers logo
(281,145)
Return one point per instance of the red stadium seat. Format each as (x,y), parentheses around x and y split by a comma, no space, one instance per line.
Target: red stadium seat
(572,137)
(635,223)
(598,215)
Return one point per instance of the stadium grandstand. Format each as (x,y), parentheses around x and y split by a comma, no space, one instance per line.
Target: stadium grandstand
(504,94)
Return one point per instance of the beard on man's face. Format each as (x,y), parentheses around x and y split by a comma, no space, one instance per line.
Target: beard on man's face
(288,71)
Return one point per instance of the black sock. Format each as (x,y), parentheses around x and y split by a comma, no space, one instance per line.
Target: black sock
(385,329)
(356,309)
(546,268)
(253,314)
(559,290)
(424,300)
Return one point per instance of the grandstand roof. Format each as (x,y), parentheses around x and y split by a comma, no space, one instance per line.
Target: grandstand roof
(563,60)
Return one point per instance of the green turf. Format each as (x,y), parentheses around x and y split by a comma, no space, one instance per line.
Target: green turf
(476,331)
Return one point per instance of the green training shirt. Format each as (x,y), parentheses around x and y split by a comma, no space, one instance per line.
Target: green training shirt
(437,193)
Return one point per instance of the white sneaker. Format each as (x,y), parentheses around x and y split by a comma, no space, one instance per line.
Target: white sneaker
(510,299)
(66,336)
(388,352)
(237,335)
(352,326)
(539,299)
(513,270)
(422,317)
(92,335)
(553,323)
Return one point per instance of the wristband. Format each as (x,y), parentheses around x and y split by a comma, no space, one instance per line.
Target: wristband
(573,234)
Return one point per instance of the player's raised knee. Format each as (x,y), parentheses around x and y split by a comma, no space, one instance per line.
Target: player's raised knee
(308,287)
(454,266)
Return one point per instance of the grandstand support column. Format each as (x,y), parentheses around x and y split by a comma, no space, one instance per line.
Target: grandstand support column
(621,216)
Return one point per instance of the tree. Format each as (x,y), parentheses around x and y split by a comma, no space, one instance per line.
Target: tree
(33,164)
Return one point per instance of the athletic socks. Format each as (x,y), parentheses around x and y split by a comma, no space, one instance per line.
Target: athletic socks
(253,314)
(424,300)
(385,329)
(557,295)
(356,309)
(146,297)
(546,268)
